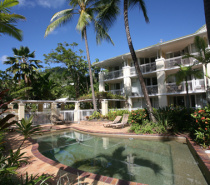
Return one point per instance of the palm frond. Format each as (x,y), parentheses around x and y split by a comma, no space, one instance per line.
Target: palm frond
(141,5)
(11,30)
(61,13)
(84,20)
(58,22)
(101,33)
(8,4)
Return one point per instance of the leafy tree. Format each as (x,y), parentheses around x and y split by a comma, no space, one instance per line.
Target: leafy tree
(8,20)
(22,67)
(207,16)
(183,74)
(141,5)
(99,12)
(76,68)
(44,88)
(6,81)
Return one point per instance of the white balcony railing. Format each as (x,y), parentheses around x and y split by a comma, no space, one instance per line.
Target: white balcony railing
(145,68)
(173,62)
(193,86)
(117,91)
(113,74)
(152,90)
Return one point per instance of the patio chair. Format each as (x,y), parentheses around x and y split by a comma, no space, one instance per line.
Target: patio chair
(123,122)
(116,120)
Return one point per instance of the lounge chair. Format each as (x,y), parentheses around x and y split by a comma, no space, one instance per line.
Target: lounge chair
(123,122)
(116,120)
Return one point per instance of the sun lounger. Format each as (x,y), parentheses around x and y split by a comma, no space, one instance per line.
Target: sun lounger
(117,119)
(123,122)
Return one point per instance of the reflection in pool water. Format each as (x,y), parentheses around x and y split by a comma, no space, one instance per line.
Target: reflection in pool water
(145,161)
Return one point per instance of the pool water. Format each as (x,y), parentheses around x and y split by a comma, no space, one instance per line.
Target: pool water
(144,161)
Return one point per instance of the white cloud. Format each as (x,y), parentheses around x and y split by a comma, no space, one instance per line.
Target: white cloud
(3,58)
(26,3)
(43,3)
(50,3)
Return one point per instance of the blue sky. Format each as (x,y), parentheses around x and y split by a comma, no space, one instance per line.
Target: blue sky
(168,20)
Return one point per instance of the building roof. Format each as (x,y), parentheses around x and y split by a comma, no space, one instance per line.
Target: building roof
(167,47)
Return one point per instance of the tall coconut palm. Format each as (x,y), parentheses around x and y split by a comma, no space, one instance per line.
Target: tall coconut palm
(141,5)
(207,16)
(99,12)
(8,20)
(183,74)
(22,67)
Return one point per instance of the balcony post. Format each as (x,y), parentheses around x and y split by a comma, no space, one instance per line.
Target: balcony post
(161,76)
(101,82)
(127,80)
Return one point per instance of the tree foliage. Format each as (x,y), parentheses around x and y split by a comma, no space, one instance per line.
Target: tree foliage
(8,19)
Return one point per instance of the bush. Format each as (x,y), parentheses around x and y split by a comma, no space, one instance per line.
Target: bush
(202,128)
(113,114)
(95,115)
(177,118)
(137,116)
(147,128)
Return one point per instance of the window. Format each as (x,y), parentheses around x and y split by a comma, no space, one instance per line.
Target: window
(146,60)
(154,81)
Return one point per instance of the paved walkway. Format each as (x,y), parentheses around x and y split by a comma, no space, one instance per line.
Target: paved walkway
(37,166)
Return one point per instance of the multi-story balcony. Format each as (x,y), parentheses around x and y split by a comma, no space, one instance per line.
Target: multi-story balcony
(117,91)
(145,68)
(113,75)
(173,62)
(152,90)
(193,86)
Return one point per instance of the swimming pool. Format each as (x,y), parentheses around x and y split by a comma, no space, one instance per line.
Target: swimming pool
(139,160)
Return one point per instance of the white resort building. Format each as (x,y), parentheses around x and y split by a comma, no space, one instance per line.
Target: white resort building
(157,62)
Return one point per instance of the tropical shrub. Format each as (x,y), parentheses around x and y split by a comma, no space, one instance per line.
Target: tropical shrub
(202,128)
(147,128)
(95,115)
(114,113)
(176,119)
(137,116)
(3,107)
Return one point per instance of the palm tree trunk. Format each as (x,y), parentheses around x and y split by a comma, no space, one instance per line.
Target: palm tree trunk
(207,16)
(90,72)
(133,54)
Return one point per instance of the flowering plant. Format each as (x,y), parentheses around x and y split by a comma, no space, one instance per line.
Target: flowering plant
(202,127)
(136,116)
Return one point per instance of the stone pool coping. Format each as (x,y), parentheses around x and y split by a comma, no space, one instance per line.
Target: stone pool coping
(198,153)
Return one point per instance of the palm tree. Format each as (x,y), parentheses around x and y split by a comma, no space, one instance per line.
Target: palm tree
(8,20)
(141,4)
(207,16)
(22,67)
(99,12)
(203,57)
(183,74)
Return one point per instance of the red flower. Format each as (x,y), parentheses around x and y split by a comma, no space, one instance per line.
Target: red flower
(196,121)
(206,129)
(202,118)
